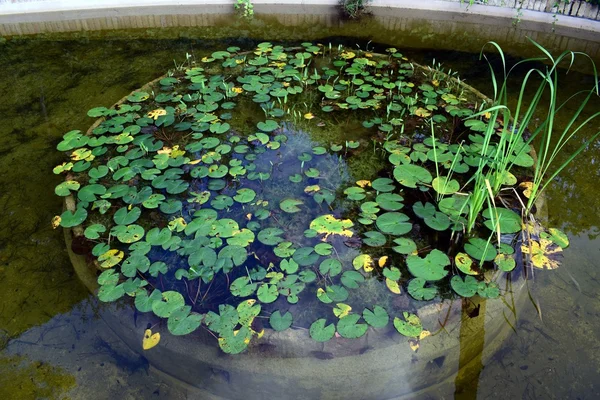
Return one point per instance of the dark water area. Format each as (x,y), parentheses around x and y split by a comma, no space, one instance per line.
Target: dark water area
(53,345)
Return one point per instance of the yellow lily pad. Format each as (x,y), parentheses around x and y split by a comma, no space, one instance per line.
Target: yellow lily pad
(150,340)
(543,253)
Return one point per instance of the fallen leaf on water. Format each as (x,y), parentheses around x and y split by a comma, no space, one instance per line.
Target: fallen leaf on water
(56,221)
(150,340)
(154,114)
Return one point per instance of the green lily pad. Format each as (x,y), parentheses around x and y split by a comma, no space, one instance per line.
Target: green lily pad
(93,231)
(430,268)
(410,175)
(349,328)
(321,332)
(374,239)
(378,318)
(270,236)
(70,219)
(65,188)
(267,293)
(508,220)
(290,205)
(170,302)
(181,322)
(416,288)
(394,223)
(409,326)
(465,288)
(465,264)
(127,217)
(330,266)
(480,249)
(280,322)
(244,195)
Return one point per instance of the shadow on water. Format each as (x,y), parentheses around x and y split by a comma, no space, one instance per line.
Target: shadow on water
(52,343)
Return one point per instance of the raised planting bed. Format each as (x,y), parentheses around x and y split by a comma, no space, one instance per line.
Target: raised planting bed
(307,222)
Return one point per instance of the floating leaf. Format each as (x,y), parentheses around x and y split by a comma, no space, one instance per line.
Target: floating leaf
(480,249)
(280,322)
(351,279)
(508,220)
(430,268)
(378,318)
(543,253)
(270,236)
(321,332)
(417,289)
(330,266)
(150,340)
(505,262)
(181,322)
(363,261)
(464,263)
(410,326)
(329,225)
(341,310)
(349,328)
(410,175)
(394,223)
(290,205)
(465,288)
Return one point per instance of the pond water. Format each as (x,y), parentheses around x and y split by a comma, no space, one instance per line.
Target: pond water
(52,343)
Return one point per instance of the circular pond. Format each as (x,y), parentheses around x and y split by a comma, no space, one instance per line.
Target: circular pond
(325,212)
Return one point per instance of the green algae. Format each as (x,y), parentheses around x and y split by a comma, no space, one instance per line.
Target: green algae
(22,379)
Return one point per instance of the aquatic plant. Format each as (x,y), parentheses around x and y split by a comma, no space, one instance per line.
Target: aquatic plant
(245,8)
(214,198)
(353,8)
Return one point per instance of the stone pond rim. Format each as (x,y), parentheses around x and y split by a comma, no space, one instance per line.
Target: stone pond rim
(289,364)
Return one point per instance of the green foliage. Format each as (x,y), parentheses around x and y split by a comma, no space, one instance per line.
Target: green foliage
(209,219)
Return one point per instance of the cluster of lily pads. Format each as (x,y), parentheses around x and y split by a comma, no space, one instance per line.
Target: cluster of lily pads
(211,219)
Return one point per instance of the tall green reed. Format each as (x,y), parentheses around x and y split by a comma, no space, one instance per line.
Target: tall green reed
(498,158)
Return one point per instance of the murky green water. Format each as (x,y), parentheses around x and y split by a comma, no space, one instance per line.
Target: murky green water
(54,347)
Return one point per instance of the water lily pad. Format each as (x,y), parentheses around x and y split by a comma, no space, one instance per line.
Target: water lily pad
(123,216)
(94,231)
(280,322)
(65,188)
(349,327)
(508,220)
(305,256)
(409,326)
(404,246)
(465,264)
(410,175)
(416,288)
(70,219)
(430,268)
(445,186)
(270,236)
(321,332)
(244,195)
(170,302)
(182,322)
(378,318)
(330,266)
(290,205)
(480,249)
(329,225)
(267,293)
(543,254)
(465,288)
(394,223)
(352,279)
(374,239)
